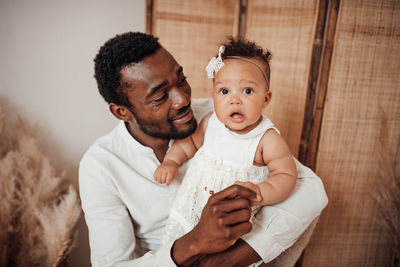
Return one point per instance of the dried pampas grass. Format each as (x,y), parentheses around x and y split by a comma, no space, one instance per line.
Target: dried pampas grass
(387,191)
(39,207)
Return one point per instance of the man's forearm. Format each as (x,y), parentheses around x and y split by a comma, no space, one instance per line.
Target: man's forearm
(240,254)
(184,252)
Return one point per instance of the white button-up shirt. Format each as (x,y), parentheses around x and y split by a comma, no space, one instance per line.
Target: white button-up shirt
(126,209)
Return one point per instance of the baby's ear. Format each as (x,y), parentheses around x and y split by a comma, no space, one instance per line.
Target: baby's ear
(268,96)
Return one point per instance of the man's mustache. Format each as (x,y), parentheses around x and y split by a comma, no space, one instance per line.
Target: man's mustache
(181,111)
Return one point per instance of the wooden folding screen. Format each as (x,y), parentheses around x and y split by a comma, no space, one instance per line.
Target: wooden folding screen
(287,29)
(363,86)
(335,71)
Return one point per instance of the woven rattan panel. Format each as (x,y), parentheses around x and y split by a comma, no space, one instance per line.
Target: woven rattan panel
(192,32)
(286,28)
(364,79)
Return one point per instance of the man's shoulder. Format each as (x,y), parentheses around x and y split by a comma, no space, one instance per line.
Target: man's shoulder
(102,145)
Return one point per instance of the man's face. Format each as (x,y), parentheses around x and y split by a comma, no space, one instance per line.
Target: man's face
(160,96)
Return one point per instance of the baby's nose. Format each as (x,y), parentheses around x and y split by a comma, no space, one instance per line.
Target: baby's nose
(235,100)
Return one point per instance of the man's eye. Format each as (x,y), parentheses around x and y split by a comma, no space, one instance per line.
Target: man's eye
(160,99)
(224,91)
(248,91)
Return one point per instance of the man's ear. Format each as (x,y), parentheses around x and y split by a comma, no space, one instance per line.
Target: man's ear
(120,112)
(268,96)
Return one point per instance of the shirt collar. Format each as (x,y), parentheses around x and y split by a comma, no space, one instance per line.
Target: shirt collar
(129,139)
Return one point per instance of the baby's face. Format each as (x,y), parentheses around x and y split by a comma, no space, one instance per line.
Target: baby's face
(240,94)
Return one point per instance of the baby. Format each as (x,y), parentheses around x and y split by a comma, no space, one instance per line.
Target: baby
(234,144)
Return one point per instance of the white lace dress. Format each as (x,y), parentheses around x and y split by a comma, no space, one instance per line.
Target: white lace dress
(224,158)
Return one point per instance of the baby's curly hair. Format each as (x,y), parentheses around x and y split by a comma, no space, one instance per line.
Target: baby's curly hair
(117,53)
(244,48)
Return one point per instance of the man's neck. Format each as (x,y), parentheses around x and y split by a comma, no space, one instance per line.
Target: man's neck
(159,146)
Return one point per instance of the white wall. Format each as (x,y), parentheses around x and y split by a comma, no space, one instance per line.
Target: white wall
(46,74)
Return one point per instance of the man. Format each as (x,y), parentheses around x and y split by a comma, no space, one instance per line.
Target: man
(126,210)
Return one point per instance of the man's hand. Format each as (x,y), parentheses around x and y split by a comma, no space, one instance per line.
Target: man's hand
(224,219)
(166,172)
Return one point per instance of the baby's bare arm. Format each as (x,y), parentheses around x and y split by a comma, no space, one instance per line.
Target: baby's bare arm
(283,174)
(184,149)
(180,151)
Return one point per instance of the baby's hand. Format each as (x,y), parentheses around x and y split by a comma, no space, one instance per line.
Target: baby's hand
(253,187)
(166,172)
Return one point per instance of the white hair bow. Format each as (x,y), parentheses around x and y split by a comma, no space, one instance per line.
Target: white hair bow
(215,64)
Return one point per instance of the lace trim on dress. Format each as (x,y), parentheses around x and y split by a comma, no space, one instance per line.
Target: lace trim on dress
(206,173)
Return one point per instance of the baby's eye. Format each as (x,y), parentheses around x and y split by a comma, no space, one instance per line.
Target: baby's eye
(248,91)
(224,91)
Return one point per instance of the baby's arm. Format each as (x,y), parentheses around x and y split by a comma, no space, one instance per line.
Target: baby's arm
(274,152)
(180,151)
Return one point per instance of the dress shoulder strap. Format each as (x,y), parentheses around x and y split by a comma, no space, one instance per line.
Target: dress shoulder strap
(257,133)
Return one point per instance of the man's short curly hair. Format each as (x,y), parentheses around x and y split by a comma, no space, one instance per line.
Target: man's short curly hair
(244,48)
(117,53)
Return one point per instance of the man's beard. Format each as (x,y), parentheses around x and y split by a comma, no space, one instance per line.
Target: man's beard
(154,130)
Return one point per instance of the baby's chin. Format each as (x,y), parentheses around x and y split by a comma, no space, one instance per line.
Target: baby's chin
(242,129)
